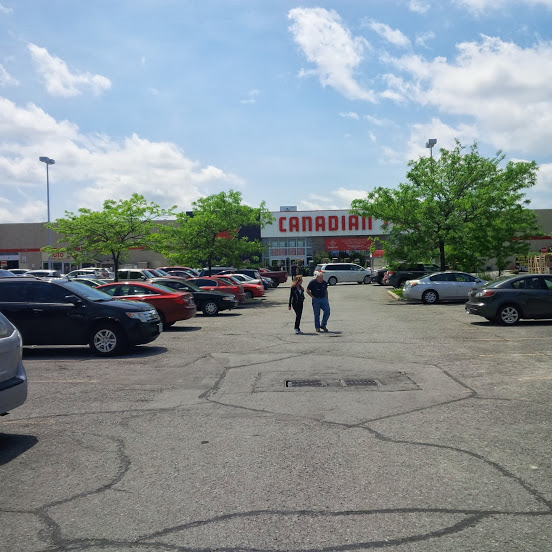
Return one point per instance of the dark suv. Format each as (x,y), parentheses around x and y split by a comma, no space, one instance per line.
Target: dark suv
(65,312)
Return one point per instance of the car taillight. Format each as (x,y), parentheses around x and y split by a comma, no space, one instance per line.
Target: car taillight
(486,293)
(389,272)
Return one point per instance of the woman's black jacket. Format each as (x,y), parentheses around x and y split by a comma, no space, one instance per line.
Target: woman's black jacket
(296,295)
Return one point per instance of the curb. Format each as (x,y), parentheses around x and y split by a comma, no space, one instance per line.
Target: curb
(394,295)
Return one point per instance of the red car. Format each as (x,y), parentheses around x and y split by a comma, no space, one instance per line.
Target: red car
(171,305)
(251,289)
(220,284)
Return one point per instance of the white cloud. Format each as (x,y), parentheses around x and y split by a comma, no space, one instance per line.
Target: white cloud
(418,6)
(394,36)
(481,6)
(505,88)
(327,44)
(350,115)
(251,97)
(541,193)
(90,168)
(6,79)
(423,38)
(5,11)
(336,199)
(59,81)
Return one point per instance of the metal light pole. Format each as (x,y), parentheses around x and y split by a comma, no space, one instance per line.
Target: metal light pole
(430,143)
(48,162)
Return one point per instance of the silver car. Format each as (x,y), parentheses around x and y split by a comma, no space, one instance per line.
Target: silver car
(441,286)
(13,379)
(344,272)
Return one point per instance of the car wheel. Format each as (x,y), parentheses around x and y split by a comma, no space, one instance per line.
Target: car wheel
(400,284)
(380,281)
(430,296)
(108,340)
(168,324)
(276,282)
(332,281)
(210,308)
(248,294)
(509,315)
(366,280)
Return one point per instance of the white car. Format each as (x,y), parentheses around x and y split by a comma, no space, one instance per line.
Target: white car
(338,273)
(441,286)
(13,379)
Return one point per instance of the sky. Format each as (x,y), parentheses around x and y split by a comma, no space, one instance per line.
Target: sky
(311,104)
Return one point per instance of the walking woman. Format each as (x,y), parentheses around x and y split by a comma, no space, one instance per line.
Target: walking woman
(296,298)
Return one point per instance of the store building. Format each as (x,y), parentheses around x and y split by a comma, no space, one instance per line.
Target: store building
(296,236)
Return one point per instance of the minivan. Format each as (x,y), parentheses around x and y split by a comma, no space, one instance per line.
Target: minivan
(335,273)
(66,312)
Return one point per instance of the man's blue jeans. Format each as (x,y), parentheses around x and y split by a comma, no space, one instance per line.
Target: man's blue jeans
(317,305)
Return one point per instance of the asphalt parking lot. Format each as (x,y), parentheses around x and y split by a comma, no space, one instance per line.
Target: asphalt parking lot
(411,428)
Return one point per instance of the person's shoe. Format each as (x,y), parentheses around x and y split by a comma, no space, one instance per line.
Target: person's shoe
(317,329)
(324,329)
(297,331)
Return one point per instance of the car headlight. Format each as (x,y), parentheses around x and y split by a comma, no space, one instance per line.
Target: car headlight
(228,298)
(143,316)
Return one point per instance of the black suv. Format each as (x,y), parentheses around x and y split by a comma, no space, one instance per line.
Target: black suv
(65,312)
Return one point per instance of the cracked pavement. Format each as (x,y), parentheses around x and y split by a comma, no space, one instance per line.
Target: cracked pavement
(194,443)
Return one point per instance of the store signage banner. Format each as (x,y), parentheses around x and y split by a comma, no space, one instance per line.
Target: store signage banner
(294,224)
(347,244)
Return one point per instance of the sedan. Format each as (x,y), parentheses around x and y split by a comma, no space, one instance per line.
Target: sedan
(441,286)
(13,379)
(210,302)
(251,289)
(214,284)
(171,305)
(510,299)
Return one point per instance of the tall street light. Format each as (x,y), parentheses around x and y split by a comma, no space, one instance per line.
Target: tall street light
(48,162)
(430,143)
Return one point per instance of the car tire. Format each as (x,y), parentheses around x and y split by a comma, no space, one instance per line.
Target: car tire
(248,294)
(380,281)
(276,282)
(400,284)
(508,315)
(332,280)
(210,308)
(366,280)
(108,340)
(430,297)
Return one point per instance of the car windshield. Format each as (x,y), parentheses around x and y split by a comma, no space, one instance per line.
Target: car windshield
(87,292)
(191,287)
(165,288)
(161,272)
(227,281)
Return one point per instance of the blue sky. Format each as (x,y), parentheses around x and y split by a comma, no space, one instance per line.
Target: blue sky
(310,104)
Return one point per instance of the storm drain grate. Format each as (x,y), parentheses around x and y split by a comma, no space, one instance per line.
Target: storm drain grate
(359,382)
(305,383)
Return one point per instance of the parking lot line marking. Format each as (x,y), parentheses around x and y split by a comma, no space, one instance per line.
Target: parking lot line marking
(65,381)
(540,353)
(536,378)
(511,339)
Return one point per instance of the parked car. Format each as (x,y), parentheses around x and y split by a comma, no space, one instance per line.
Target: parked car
(13,379)
(171,305)
(441,286)
(209,302)
(250,289)
(91,282)
(101,273)
(6,273)
(396,277)
(509,299)
(125,274)
(246,278)
(44,273)
(18,271)
(215,270)
(344,272)
(170,269)
(278,276)
(239,290)
(377,275)
(66,312)
(213,284)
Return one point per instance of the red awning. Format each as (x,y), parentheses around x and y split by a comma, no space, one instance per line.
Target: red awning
(378,253)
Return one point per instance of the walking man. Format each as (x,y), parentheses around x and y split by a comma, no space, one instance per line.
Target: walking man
(318,290)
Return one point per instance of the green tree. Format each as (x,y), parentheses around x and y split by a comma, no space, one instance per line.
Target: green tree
(456,208)
(119,227)
(211,234)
